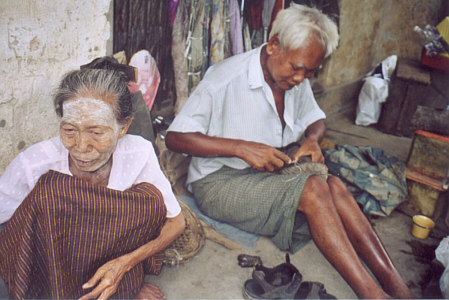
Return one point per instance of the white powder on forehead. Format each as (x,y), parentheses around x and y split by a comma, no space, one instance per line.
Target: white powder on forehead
(80,110)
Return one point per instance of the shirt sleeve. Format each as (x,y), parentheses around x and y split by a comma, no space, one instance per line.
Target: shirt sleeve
(196,112)
(152,173)
(308,110)
(14,187)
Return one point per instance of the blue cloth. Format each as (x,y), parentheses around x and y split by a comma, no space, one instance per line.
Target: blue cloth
(376,179)
(244,238)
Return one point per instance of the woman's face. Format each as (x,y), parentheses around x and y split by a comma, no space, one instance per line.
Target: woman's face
(90,131)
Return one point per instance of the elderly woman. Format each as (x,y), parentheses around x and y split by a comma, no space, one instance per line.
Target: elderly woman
(88,212)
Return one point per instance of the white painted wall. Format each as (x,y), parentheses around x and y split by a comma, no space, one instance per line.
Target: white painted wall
(40,40)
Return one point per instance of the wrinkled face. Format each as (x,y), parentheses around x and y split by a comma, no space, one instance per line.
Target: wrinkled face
(288,68)
(90,131)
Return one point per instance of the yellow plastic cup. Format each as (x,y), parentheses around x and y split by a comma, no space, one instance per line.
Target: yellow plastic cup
(422,226)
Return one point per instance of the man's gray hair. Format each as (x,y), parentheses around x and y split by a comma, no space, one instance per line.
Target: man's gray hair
(296,24)
(108,85)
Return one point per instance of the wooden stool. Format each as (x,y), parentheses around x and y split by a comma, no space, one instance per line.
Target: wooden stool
(408,88)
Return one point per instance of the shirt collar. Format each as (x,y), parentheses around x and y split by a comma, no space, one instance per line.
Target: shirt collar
(255,73)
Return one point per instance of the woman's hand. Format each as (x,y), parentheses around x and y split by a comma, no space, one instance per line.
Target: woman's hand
(107,277)
(149,292)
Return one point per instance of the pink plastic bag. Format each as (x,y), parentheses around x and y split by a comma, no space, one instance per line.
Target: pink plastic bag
(148,78)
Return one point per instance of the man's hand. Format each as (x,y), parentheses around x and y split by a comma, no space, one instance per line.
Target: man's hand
(108,278)
(262,157)
(259,156)
(309,148)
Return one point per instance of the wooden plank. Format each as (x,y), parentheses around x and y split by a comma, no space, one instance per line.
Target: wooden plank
(415,95)
(431,120)
(120,35)
(424,179)
(423,197)
(137,22)
(429,156)
(443,138)
(143,24)
(412,70)
(391,109)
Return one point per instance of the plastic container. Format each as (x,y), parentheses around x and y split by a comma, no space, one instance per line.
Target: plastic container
(422,226)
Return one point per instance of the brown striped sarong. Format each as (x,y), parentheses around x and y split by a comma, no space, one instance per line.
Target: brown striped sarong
(66,228)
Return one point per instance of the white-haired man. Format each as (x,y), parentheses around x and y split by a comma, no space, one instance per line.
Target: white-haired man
(234,124)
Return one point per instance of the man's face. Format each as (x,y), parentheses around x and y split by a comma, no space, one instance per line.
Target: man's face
(290,67)
(90,131)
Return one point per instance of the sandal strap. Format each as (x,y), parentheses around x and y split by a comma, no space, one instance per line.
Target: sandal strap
(286,291)
(283,272)
(313,290)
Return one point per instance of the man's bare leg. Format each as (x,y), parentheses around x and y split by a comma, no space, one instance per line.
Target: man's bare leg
(149,291)
(366,242)
(330,236)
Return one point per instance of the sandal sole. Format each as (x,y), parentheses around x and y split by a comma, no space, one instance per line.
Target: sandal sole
(249,290)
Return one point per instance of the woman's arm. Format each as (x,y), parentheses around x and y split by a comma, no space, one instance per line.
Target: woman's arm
(109,275)
(260,156)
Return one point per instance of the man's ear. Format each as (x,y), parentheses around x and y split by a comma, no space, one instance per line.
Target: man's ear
(125,126)
(273,45)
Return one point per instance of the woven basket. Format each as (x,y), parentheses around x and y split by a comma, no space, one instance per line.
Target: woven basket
(189,242)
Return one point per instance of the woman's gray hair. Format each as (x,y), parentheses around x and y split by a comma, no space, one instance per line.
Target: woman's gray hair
(296,24)
(108,85)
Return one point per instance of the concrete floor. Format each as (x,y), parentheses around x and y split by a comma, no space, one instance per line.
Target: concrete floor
(214,273)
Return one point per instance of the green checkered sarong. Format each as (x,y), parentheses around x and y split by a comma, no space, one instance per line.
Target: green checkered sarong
(260,202)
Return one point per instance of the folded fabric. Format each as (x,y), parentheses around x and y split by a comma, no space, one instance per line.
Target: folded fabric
(376,179)
(66,228)
(244,238)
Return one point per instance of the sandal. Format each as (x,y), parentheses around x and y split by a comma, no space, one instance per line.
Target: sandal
(280,282)
(313,290)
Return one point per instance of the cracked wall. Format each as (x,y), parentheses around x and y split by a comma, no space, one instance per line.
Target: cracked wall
(370,31)
(40,40)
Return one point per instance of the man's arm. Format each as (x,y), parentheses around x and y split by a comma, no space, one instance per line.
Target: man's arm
(109,275)
(314,135)
(260,156)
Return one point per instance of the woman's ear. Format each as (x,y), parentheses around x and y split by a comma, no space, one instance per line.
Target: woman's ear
(125,126)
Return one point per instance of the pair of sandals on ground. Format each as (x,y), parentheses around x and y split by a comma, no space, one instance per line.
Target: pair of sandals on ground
(281,282)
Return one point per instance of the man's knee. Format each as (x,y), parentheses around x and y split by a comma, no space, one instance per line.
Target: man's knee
(337,186)
(316,185)
(316,195)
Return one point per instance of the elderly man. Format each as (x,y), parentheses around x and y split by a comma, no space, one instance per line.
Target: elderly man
(234,124)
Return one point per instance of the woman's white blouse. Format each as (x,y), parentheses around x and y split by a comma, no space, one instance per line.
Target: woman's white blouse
(134,161)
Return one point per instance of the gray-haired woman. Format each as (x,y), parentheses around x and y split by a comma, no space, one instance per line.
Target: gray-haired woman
(86,212)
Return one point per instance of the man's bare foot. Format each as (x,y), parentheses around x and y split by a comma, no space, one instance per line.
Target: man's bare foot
(396,287)
(402,293)
(149,291)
